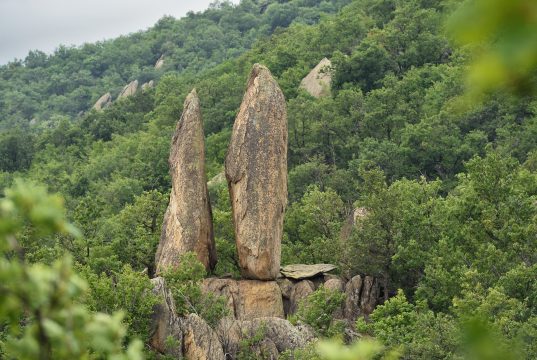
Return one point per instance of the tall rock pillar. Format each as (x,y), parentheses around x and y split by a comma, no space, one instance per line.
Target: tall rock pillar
(187,223)
(256,171)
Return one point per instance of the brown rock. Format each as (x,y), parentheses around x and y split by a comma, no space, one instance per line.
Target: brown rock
(353,289)
(187,223)
(317,82)
(248,299)
(256,171)
(300,291)
(200,342)
(301,271)
(165,322)
(103,102)
(128,90)
(281,332)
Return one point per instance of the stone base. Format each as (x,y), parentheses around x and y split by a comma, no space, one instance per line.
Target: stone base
(248,299)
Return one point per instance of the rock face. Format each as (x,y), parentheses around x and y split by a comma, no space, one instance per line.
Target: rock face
(301,271)
(187,222)
(128,90)
(317,82)
(362,296)
(248,299)
(280,333)
(200,342)
(256,171)
(103,102)
(165,322)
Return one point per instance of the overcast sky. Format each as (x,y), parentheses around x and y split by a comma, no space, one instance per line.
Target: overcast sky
(44,24)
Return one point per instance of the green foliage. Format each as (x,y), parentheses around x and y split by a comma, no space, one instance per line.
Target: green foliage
(184,283)
(44,298)
(129,291)
(318,309)
(501,36)
(312,227)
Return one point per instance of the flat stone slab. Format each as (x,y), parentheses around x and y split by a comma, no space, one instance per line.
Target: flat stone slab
(301,271)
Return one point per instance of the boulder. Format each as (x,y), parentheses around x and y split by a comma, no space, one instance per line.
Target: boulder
(248,299)
(148,85)
(335,284)
(299,292)
(165,322)
(281,333)
(103,102)
(128,90)
(301,271)
(256,172)
(187,222)
(353,289)
(160,63)
(317,82)
(200,342)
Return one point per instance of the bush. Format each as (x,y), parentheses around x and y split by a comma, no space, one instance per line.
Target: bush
(184,282)
(318,310)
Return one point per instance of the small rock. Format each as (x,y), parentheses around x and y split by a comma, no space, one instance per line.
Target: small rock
(148,85)
(128,90)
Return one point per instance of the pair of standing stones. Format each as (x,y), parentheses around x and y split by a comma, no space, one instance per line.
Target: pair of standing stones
(256,172)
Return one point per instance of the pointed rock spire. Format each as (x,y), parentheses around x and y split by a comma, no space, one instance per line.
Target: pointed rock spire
(256,171)
(187,223)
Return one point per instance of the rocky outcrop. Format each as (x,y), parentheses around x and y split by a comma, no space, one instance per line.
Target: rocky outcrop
(103,102)
(187,222)
(200,342)
(165,322)
(280,333)
(248,299)
(301,271)
(148,85)
(370,295)
(361,297)
(160,63)
(128,90)
(256,171)
(317,82)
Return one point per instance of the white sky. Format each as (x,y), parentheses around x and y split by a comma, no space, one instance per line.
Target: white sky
(44,24)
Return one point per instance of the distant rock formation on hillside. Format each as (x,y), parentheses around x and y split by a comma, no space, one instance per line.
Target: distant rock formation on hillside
(128,90)
(103,102)
(317,83)
(160,63)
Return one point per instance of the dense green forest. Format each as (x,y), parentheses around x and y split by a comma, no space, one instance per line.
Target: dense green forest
(449,187)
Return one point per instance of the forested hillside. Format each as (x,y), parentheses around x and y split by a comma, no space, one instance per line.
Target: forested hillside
(445,190)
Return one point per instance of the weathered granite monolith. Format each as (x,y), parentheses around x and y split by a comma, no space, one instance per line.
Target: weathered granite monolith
(256,171)
(187,222)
